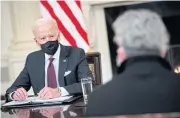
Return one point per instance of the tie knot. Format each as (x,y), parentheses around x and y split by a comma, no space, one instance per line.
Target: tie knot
(51,59)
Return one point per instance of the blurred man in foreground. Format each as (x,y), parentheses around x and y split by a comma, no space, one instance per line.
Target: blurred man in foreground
(147,84)
(53,71)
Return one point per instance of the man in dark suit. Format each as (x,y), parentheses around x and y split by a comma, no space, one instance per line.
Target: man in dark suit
(146,83)
(53,71)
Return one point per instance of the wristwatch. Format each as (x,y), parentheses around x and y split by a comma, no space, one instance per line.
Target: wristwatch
(10,96)
(59,90)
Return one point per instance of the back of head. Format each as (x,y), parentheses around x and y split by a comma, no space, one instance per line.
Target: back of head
(141,32)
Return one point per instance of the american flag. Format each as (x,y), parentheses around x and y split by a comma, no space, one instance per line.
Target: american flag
(69,17)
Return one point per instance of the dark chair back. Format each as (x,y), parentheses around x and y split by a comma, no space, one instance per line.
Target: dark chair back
(94,61)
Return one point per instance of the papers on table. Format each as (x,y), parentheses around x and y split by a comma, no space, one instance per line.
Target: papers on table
(63,107)
(31,100)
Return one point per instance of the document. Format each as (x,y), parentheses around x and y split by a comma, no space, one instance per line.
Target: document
(63,107)
(33,100)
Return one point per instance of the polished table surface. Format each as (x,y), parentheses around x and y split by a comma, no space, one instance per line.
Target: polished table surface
(159,115)
(57,111)
(69,111)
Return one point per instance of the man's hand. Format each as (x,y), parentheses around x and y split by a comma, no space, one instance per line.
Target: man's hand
(48,93)
(50,112)
(20,94)
(23,113)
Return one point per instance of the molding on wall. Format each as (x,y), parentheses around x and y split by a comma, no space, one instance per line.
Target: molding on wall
(114,3)
(23,16)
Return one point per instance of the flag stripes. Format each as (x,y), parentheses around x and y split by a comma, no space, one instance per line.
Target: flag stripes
(69,17)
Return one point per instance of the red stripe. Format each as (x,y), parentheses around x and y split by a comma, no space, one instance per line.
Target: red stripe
(61,27)
(78,4)
(73,19)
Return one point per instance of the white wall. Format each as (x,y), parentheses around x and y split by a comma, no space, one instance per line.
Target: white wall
(6,26)
(17,37)
(6,32)
(6,37)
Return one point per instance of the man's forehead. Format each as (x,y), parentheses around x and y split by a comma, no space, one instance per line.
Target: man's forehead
(45,32)
(48,25)
(44,23)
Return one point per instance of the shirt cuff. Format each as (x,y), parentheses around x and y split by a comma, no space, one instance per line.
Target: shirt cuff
(64,92)
(10,96)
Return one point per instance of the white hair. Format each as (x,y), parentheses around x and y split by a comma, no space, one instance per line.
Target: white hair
(42,21)
(141,30)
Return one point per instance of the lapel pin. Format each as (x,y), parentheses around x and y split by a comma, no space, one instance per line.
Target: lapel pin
(64,60)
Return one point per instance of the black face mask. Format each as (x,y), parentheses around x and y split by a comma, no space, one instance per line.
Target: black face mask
(50,47)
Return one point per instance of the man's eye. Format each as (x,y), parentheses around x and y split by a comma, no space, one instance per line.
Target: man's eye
(43,38)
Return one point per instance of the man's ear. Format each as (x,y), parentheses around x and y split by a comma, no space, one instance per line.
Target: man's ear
(121,55)
(58,36)
(163,53)
(36,42)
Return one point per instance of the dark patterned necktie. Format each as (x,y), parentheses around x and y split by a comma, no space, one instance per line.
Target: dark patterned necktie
(51,75)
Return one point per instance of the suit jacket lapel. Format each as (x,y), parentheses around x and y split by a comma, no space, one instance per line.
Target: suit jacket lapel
(41,71)
(62,64)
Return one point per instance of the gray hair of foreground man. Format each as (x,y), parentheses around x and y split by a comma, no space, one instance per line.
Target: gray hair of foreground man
(141,30)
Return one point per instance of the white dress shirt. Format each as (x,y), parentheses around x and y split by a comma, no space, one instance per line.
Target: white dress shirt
(56,67)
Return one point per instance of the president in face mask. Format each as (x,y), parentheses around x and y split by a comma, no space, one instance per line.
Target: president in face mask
(46,36)
(53,71)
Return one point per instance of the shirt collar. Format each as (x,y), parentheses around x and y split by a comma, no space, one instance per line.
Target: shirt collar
(55,56)
(144,59)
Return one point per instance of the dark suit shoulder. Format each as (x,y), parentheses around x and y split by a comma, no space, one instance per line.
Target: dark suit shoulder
(74,49)
(100,92)
(35,54)
(172,78)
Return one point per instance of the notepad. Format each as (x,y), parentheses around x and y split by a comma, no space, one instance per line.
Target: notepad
(63,107)
(34,100)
